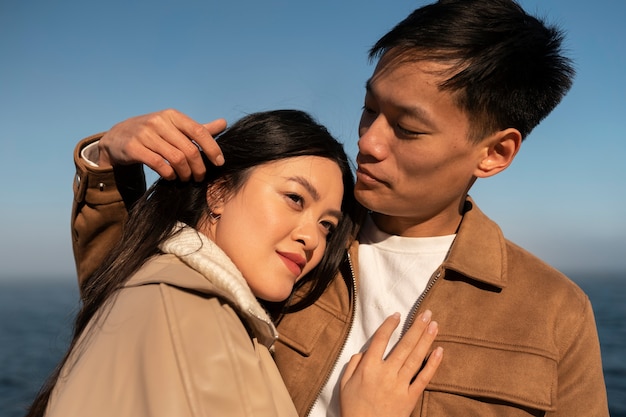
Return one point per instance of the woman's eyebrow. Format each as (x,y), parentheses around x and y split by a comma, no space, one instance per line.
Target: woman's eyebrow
(307,185)
(314,193)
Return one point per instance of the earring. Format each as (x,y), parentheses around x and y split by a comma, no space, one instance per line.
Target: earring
(213,216)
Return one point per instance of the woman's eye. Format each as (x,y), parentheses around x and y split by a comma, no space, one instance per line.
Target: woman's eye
(329,227)
(296,198)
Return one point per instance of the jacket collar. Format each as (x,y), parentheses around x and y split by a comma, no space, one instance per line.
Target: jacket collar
(479,249)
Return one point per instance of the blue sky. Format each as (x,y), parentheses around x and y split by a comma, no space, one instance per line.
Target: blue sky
(72,68)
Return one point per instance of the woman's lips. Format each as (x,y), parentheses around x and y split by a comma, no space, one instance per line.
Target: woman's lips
(294,262)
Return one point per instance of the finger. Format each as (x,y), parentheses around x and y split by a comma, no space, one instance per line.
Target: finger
(159,165)
(202,136)
(166,152)
(208,144)
(176,141)
(352,365)
(415,359)
(410,339)
(186,135)
(138,139)
(381,337)
(216,126)
(424,377)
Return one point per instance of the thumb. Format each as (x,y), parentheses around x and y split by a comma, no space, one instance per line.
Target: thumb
(352,365)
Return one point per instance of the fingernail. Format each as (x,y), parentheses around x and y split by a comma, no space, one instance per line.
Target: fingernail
(432,327)
(219,160)
(426,316)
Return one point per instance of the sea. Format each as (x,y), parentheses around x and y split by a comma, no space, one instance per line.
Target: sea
(36,320)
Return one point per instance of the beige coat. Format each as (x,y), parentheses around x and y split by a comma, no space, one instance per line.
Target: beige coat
(175,342)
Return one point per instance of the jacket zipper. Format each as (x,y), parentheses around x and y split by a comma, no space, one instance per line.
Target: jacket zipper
(330,370)
(409,322)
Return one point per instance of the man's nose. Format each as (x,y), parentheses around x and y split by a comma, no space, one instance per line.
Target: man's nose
(373,138)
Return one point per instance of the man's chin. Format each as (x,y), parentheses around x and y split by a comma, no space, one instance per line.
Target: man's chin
(367,197)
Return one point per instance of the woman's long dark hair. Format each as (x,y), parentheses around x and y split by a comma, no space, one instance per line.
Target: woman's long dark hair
(252,141)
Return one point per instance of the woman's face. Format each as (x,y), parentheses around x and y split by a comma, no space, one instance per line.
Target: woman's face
(275,227)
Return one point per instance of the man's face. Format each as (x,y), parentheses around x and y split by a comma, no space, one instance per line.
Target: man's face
(415,162)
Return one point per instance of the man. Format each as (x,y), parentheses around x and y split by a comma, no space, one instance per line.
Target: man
(458,86)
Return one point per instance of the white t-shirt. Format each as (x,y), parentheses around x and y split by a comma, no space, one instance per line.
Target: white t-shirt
(90,153)
(394,271)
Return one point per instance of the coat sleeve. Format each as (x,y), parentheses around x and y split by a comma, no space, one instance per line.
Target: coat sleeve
(100,207)
(581,388)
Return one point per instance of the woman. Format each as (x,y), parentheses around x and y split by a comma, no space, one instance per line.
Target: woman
(172,323)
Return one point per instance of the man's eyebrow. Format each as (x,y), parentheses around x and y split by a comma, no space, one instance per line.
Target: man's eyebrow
(313,191)
(368,86)
(415,112)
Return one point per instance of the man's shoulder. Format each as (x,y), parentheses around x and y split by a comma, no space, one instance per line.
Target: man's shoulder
(483,248)
(532,271)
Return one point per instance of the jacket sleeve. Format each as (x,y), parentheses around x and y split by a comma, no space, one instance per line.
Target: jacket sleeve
(581,387)
(101,201)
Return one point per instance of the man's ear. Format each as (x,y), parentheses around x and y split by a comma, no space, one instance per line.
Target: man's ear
(499,151)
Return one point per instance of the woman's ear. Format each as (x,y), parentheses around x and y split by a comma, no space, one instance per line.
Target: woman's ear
(215,201)
(499,151)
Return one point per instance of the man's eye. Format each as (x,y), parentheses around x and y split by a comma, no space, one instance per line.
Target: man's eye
(368,110)
(408,132)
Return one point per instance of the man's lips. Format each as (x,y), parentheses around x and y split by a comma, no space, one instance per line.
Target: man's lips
(365,176)
(294,262)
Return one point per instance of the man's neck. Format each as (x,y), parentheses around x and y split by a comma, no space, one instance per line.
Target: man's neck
(410,227)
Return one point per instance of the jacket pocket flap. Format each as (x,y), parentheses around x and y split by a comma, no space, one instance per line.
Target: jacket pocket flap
(514,374)
(302,331)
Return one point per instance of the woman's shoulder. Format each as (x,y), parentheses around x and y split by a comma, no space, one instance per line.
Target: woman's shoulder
(168,269)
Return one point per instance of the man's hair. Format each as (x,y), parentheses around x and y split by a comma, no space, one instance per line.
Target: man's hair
(507,67)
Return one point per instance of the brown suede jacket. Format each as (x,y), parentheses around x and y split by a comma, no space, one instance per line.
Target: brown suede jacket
(519,337)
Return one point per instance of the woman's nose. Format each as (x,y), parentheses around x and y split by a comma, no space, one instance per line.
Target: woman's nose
(307,234)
